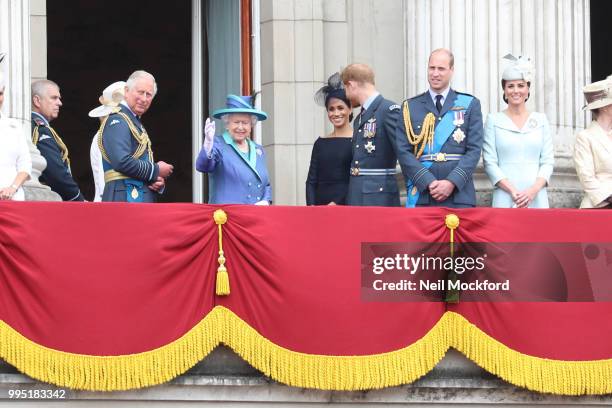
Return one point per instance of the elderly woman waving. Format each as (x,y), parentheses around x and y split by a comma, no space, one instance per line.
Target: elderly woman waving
(235,164)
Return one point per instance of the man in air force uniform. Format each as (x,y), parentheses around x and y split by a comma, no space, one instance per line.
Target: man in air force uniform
(46,103)
(376,149)
(130,174)
(445,130)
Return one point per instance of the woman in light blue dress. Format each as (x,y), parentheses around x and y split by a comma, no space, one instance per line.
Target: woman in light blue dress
(518,149)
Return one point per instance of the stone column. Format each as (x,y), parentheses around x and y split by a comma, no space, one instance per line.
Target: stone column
(292,57)
(555,34)
(15,41)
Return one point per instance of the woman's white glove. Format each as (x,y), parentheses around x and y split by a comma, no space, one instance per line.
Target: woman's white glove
(209,135)
(263,202)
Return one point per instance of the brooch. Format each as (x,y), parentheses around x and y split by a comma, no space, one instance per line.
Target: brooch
(532,123)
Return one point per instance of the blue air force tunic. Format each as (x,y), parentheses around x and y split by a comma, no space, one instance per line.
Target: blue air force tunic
(127,159)
(57,174)
(376,151)
(453,152)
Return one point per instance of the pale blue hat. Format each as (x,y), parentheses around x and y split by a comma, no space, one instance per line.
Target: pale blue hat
(239,104)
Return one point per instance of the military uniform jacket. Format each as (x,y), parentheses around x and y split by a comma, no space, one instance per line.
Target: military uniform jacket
(57,174)
(376,146)
(120,145)
(458,172)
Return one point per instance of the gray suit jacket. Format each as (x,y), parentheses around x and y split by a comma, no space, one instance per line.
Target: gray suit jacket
(458,172)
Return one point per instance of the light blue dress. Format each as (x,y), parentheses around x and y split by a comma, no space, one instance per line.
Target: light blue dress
(519,155)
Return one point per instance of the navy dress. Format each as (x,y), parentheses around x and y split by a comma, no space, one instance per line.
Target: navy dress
(329,172)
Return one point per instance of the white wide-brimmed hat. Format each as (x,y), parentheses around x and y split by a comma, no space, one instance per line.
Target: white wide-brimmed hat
(110,99)
(520,68)
(598,94)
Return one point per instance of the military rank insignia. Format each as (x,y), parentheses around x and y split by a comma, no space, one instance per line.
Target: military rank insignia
(369,128)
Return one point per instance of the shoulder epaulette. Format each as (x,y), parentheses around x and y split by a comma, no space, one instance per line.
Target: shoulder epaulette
(418,96)
(464,93)
(38,121)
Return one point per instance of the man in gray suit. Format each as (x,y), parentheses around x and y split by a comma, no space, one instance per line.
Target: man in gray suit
(376,148)
(445,130)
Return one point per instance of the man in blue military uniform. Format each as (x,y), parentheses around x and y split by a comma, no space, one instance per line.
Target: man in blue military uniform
(445,130)
(46,103)
(130,174)
(376,148)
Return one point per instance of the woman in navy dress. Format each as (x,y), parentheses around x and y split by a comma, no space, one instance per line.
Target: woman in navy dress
(330,163)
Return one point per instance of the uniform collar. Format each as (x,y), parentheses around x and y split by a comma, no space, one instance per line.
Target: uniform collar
(444,94)
(124,103)
(370,100)
(41,117)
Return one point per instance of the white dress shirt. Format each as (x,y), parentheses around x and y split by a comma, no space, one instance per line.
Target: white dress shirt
(444,94)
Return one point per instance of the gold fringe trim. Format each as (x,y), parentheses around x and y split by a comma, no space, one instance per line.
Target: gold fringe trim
(111,373)
(534,373)
(345,373)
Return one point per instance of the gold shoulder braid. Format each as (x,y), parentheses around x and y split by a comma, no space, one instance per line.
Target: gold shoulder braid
(58,140)
(426,136)
(144,143)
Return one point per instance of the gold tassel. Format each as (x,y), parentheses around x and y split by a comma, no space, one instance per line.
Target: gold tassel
(452,223)
(222,287)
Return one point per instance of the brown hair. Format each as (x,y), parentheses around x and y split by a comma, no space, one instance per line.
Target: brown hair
(360,73)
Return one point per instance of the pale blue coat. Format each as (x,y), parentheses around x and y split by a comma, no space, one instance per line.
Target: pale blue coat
(520,155)
(233,178)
